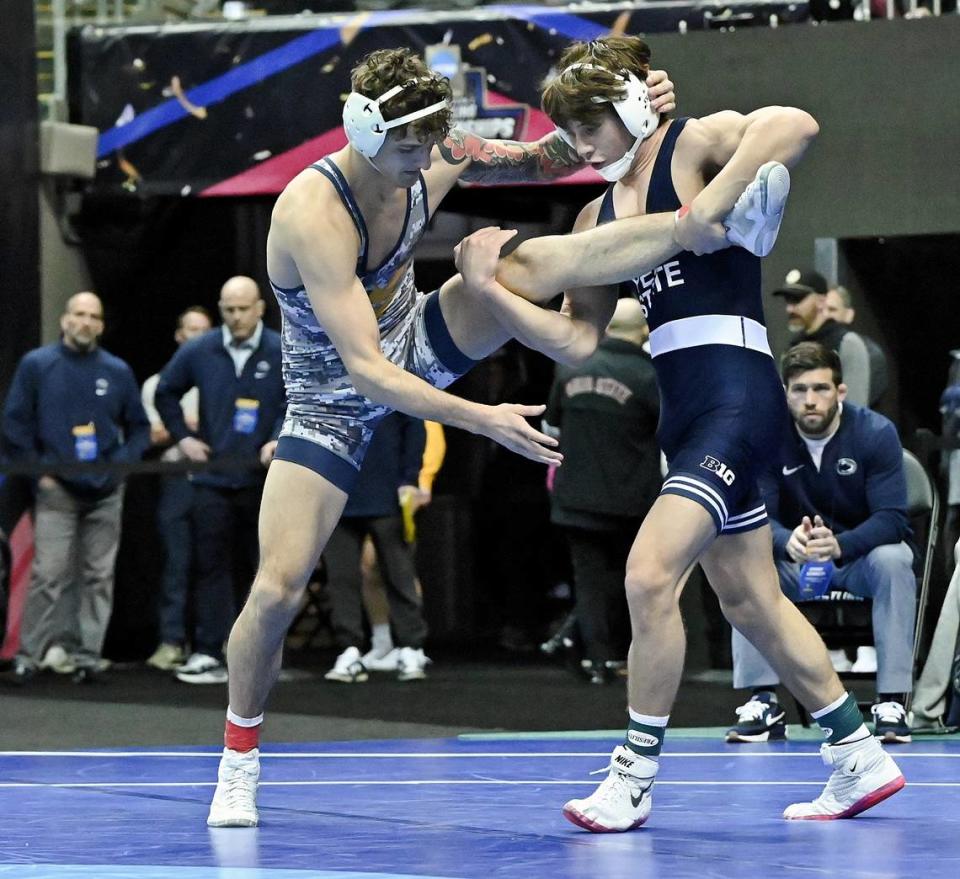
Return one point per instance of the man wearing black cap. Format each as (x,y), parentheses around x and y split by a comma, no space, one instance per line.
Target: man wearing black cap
(864,364)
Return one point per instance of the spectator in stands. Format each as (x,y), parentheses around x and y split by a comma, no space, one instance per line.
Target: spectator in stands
(609,403)
(174,506)
(390,470)
(72,401)
(864,364)
(837,494)
(236,370)
(838,305)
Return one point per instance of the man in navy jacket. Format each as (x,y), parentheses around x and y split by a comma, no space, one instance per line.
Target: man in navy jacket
(837,493)
(72,401)
(237,371)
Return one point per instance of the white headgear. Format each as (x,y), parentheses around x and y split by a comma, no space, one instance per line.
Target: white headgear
(634,110)
(364,123)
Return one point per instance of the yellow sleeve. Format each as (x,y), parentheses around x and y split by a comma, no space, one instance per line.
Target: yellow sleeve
(434,451)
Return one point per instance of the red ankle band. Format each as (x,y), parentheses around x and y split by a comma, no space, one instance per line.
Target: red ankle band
(241,738)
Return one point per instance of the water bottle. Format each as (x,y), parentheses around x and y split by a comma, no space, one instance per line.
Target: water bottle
(815,577)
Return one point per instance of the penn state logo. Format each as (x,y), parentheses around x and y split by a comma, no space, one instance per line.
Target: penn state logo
(719,468)
(102,386)
(846,466)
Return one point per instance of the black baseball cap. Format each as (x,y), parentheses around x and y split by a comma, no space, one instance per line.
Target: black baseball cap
(798,284)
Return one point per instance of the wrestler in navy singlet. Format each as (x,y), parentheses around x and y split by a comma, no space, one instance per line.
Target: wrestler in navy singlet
(329,424)
(723,410)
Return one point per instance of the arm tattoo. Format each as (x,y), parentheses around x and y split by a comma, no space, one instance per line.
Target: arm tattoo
(507,161)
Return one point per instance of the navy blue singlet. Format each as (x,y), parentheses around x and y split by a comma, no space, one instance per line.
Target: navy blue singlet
(723,410)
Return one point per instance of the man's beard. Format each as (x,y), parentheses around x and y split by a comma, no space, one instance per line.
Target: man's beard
(823,424)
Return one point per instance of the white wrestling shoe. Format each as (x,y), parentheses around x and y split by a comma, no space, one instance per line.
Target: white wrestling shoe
(235,799)
(863,775)
(754,222)
(624,798)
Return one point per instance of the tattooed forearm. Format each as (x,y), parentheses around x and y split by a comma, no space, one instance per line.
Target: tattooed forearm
(507,161)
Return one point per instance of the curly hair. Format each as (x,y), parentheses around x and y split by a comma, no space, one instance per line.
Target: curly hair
(568,97)
(380,71)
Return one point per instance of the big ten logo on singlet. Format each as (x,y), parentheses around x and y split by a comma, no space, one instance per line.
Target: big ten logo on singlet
(602,385)
(722,470)
(663,277)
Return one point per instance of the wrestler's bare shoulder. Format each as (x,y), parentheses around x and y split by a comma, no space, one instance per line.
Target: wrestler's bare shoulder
(589,214)
(310,204)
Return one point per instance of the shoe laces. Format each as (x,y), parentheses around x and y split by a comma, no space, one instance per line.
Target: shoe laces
(238,787)
(752,710)
(888,712)
(617,785)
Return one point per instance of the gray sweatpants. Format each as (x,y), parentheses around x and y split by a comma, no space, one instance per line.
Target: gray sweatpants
(885,575)
(71,586)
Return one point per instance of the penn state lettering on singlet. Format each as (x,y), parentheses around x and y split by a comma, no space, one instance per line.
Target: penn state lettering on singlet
(686,285)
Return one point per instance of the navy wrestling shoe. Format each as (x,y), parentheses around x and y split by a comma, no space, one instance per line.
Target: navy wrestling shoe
(761,719)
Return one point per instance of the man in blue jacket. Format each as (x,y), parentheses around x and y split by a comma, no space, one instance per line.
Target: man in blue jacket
(72,401)
(837,494)
(237,371)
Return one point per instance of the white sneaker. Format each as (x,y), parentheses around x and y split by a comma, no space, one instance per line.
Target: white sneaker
(755,220)
(348,668)
(840,661)
(624,798)
(202,669)
(235,799)
(866,661)
(58,661)
(167,657)
(411,664)
(377,660)
(863,775)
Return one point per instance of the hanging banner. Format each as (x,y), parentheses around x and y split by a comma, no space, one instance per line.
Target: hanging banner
(238,109)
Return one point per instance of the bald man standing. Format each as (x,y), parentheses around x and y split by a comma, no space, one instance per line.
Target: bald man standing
(237,371)
(70,402)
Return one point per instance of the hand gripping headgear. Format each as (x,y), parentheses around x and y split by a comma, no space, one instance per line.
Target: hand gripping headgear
(634,110)
(364,123)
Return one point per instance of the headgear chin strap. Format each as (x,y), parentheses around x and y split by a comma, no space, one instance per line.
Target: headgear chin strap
(364,123)
(634,110)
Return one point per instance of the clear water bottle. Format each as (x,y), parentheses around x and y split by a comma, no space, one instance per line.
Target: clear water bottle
(815,579)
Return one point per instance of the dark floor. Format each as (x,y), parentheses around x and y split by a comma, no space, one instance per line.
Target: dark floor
(134,705)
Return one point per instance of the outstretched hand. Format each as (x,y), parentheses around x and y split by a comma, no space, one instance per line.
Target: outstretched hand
(508,426)
(477,255)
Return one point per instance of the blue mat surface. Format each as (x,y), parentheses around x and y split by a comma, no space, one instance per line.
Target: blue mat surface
(447,808)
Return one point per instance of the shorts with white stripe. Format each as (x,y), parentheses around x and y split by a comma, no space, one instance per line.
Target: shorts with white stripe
(725,488)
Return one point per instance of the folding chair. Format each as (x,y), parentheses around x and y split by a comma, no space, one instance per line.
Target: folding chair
(843,619)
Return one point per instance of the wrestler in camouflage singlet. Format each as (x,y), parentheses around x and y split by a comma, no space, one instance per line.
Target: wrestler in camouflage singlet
(329,424)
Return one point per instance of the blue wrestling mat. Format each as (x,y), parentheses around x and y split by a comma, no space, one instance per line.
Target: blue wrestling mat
(469,807)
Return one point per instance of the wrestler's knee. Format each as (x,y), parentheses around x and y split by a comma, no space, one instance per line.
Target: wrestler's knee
(277,593)
(650,588)
(756,615)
